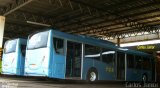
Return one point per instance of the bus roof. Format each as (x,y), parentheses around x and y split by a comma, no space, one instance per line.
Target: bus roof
(138,53)
(16,39)
(84,39)
(96,42)
(24,41)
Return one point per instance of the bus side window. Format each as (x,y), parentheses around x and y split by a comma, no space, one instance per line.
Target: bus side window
(130,61)
(58,45)
(108,56)
(146,63)
(23,50)
(92,52)
(138,60)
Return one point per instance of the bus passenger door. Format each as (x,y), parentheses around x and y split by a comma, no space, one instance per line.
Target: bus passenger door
(73,59)
(58,70)
(120,66)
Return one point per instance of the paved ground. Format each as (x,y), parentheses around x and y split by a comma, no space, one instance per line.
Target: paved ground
(21,82)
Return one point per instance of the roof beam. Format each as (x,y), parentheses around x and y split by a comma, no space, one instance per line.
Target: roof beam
(22,18)
(15,30)
(122,33)
(119,17)
(120,4)
(104,17)
(71,22)
(15,6)
(108,29)
(154,3)
(117,22)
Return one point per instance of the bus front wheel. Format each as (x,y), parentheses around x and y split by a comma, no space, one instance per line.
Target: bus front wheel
(92,75)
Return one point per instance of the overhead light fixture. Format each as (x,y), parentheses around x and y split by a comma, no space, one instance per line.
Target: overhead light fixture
(36,23)
(140,43)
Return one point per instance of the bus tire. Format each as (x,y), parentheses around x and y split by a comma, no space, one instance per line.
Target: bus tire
(144,78)
(92,75)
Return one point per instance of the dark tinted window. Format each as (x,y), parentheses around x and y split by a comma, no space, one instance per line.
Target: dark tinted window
(23,50)
(146,63)
(138,62)
(92,52)
(10,46)
(120,65)
(130,61)
(58,45)
(108,56)
(120,60)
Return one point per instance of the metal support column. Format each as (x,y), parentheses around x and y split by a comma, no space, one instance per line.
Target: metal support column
(118,41)
(2,23)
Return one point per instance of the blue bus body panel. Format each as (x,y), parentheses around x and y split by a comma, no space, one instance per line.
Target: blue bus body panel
(56,63)
(9,64)
(58,67)
(36,63)
(88,63)
(13,63)
(53,66)
(136,74)
(101,68)
(21,59)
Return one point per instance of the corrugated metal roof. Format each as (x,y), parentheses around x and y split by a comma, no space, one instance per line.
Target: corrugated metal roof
(3,3)
(89,17)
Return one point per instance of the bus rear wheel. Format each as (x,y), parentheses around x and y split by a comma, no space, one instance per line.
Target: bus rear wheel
(92,75)
(144,78)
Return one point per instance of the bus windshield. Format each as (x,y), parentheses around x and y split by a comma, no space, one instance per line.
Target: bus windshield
(10,46)
(38,40)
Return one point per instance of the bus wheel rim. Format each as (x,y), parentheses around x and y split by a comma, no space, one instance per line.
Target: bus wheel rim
(93,76)
(144,78)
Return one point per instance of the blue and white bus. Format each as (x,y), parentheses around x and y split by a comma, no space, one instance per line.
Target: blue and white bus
(14,57)
(60,55)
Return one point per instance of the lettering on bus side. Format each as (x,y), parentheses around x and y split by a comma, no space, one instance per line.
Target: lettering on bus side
(146,47)
(109,69)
